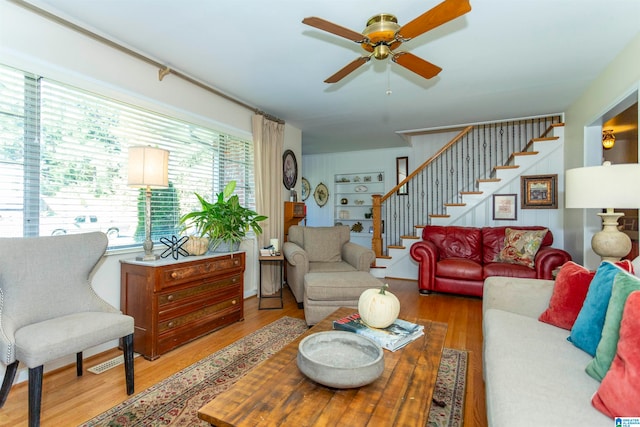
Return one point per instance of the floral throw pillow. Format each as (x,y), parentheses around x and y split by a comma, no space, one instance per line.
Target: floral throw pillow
(521,246)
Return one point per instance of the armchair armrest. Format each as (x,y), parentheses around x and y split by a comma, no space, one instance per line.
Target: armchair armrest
(358,256)
(297,267)
(426,254)
(548,259)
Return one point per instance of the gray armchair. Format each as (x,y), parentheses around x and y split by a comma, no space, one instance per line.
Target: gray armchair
(321,249)
(48,308)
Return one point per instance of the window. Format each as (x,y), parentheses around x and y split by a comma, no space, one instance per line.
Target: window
(63,163)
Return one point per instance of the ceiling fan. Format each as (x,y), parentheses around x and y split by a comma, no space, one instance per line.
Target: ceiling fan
(383,35)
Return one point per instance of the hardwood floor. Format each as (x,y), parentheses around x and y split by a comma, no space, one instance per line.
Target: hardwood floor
(68,400)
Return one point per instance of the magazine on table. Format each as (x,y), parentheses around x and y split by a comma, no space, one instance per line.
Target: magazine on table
(393,337)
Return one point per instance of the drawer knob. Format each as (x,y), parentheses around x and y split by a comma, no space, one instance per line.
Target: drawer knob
(234,302)
(170,298)
(174,274)
(171,324)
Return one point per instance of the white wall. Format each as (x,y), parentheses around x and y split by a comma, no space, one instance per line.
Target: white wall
(583,145)
(321,168)
(32,43)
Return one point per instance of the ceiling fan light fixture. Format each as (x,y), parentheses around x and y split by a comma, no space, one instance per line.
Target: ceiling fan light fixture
(381,51)
(381,28)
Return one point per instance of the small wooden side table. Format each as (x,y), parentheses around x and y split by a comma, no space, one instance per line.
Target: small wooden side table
(279,259)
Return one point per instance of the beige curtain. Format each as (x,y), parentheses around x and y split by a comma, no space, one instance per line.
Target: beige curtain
(268,140)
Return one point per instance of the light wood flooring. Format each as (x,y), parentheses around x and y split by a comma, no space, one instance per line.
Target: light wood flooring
(68,400)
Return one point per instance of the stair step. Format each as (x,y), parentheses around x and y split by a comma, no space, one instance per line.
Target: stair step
(409,237)
(384,257)
(513,156)
(395,247)
(488,180)
(547,138)
(439,216)
(471,193)
(506,167)
(455,204)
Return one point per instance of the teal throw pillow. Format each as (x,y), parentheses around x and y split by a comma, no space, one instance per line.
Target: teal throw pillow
(587,329)
(623,284)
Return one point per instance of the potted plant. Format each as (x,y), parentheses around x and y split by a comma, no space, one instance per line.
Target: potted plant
(225,222)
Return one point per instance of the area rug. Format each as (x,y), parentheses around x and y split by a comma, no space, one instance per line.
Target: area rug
(175,401)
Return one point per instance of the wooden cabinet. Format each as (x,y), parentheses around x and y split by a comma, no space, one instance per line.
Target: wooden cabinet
(174,302)
(294,212)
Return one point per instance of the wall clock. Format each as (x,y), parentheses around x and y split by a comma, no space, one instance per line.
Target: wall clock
(289,169)
(321,194)
(306,189)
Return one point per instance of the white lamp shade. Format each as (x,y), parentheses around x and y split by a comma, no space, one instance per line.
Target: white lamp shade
(148,167)
(603,187)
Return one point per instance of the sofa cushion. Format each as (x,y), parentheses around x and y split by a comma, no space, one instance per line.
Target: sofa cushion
(533,376)
(455,242)
(520,246)
(508,270)
(569,291)
(323,244)
(619,392)
(587,329)
(623,284)
(338,286)
(493,240)
(459,268)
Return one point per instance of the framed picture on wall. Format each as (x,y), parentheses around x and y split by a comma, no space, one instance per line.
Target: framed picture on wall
(289,169)
(539,191)
(505,207)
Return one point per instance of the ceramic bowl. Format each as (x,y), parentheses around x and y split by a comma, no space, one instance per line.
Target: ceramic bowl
(340,359)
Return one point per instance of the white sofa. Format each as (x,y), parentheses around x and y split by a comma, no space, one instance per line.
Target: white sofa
(533,375)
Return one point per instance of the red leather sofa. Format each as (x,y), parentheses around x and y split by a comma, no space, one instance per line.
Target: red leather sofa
(456,259)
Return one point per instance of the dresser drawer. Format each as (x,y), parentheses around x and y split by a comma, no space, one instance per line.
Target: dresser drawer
(195,314)
(194,270)
(200,291)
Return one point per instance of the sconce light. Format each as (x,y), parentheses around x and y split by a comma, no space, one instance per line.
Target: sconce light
(148,168)
(608,138)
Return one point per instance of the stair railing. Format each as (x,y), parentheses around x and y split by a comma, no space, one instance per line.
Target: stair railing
(454,170)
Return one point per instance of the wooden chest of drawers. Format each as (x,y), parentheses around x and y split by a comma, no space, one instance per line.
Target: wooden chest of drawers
(174,302)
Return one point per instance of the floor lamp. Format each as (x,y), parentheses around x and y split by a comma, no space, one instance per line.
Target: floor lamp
(605,187)
(148,168)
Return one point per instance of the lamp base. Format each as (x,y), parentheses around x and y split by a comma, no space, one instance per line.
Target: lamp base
(151,257)
(610,243)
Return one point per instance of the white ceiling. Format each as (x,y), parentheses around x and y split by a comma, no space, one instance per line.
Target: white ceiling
(504,59)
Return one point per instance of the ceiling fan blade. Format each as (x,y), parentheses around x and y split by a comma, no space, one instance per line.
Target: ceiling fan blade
(440,14)
(336,29)
(417,65)
(349,68)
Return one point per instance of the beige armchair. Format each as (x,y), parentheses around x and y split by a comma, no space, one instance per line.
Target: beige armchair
(49,310)
(321,250)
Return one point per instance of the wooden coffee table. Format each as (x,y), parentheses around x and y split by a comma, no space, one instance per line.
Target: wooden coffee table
(277,393)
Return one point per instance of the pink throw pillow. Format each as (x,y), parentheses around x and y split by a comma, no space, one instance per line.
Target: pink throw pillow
(569,292)
(619,392)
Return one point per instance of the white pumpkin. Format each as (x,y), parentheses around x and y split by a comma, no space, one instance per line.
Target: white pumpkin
(378,308)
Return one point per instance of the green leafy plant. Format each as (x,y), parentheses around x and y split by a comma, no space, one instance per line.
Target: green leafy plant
(225,220)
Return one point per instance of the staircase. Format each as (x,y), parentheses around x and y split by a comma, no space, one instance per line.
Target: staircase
(472,204)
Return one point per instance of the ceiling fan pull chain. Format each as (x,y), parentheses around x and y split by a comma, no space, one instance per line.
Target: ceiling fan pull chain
(389,91)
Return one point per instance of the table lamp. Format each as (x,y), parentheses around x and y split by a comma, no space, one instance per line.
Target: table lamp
(148,168)
(605,187)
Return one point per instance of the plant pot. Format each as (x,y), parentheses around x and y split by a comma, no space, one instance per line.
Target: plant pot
(222,246)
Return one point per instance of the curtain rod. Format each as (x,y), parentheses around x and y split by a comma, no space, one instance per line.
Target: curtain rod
(163,70)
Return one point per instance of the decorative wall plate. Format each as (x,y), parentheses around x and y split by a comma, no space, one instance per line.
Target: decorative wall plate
(321,194)
(289,169)
(306,189)
(361,188)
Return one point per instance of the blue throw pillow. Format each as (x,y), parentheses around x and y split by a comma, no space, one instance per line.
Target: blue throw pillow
(587,329)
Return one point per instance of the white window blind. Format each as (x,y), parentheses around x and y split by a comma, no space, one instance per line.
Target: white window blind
(64,156)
